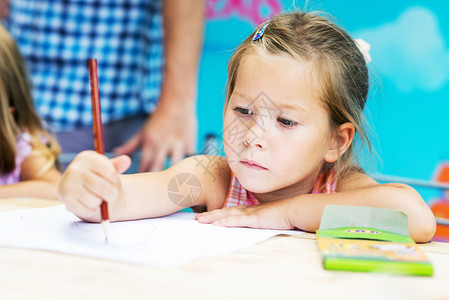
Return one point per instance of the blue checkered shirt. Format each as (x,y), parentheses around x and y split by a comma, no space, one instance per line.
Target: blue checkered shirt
(56,37)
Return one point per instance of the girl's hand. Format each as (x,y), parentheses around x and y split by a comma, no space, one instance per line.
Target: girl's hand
(269,215)
(90,179)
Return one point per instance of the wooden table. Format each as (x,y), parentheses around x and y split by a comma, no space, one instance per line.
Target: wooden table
(281,267)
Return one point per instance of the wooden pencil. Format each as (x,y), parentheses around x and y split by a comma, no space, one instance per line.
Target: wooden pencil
(98,132)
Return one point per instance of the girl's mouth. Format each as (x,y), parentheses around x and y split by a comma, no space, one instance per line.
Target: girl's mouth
(252,165)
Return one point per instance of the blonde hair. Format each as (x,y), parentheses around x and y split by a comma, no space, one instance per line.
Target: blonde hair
(341,72)
(15,94)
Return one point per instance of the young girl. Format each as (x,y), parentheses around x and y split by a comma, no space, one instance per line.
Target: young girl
(28,152)
(296,91)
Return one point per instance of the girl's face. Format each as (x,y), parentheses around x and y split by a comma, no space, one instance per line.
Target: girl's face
(276,129)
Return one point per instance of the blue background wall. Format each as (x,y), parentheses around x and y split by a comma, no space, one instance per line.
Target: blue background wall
(408,105)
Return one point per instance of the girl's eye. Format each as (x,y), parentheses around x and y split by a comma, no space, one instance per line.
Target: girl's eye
(243,111)
(287,123)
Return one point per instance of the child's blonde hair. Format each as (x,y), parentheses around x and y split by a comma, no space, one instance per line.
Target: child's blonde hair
(341,72)
(17,111)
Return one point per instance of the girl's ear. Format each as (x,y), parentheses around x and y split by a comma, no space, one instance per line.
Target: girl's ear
(340,142)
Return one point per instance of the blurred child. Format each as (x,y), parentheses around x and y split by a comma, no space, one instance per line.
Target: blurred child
(28,152)
(296,92)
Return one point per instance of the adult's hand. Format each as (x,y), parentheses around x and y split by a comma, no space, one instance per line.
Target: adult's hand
(170,131)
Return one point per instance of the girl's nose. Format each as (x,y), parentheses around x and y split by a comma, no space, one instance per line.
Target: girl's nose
(255,136)
(255,143)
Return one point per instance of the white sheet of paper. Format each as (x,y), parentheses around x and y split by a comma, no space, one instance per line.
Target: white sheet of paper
(163,242)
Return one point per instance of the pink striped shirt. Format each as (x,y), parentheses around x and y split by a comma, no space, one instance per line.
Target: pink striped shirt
(237,195)
(23,150)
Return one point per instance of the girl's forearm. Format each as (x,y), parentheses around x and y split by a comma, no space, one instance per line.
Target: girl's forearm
(30,188)
(143,196)
(305,211)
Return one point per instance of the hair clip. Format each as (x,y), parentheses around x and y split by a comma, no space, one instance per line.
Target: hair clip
(259,33)
(364,48)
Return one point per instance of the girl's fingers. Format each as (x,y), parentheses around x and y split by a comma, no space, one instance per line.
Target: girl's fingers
(78,198)
(257,216)
(121,163)
(99,187)
(87,199)
(90,179)
(212,216)
(78,205)
(88,213)
(104,168)
(238,221)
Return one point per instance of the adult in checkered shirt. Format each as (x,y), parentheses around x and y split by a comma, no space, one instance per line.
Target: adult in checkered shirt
(147,52)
